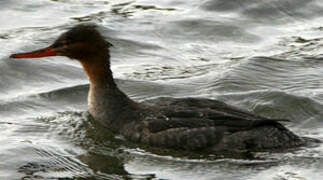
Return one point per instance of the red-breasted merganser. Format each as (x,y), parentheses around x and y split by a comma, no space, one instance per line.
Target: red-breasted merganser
(193,124)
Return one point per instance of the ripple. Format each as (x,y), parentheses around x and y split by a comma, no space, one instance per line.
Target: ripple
(269,12)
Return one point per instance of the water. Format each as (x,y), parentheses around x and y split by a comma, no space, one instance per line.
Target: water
(263,56)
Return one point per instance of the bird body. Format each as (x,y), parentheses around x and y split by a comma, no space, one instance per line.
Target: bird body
(193,124)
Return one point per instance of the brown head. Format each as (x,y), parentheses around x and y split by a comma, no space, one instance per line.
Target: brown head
(82,42)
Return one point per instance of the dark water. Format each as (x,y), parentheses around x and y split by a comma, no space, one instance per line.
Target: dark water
(265,56)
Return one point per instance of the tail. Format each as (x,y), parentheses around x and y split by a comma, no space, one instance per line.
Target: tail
(265,136)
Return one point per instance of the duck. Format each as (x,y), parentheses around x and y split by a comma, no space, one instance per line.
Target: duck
(189,124)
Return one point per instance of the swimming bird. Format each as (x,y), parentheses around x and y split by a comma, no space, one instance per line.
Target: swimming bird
(193,124)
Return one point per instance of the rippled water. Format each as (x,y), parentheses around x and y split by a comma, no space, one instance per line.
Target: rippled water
(263,56)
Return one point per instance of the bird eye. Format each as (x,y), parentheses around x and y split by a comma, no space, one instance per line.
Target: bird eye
(61,44)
